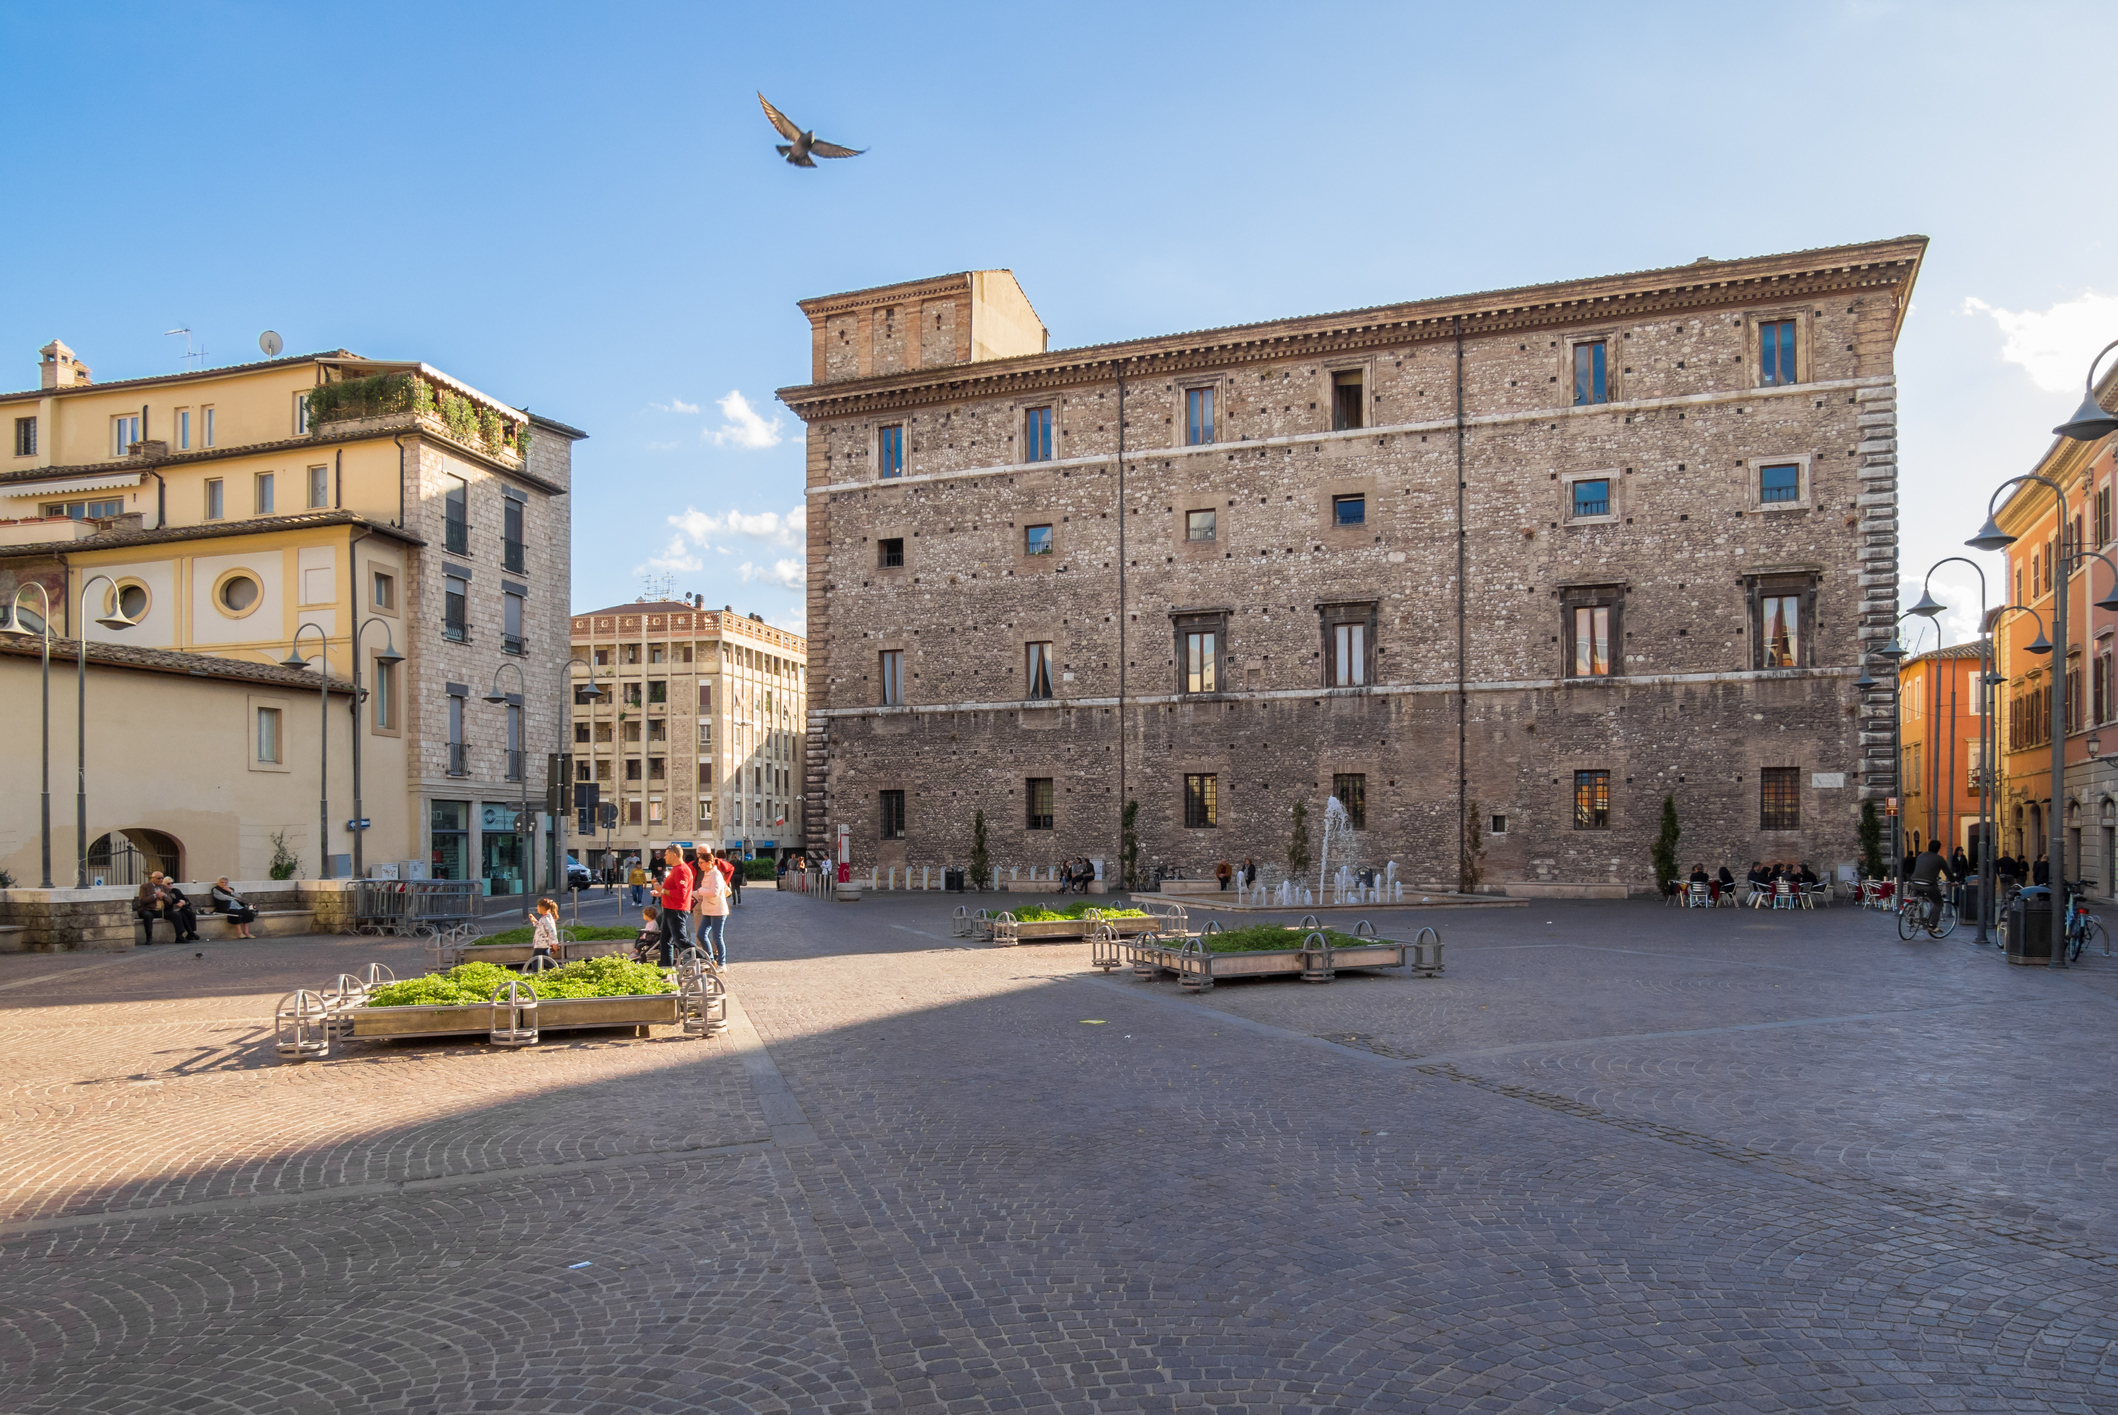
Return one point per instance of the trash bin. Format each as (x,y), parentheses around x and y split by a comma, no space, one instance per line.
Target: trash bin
(1967,901)
(2030,926)
(952,879)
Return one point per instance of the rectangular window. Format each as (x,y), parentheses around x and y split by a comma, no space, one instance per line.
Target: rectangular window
(511,533)
(1038,661)
(1592,800)
(183,429)
(511,623)
(123,433)
(893,677)
(263,493)
(2103,688)
(206,421)
(1349,510)
(83,510)
(1499,826)
(1351,788)
(215,507)
(1776,353)
(1202,807)
(1202,666)
(25,437)
(1198,416)
(1347,409)
(1780,798)
(893,815)
(1037,435)
(268,734)
(1590,383)
(319,487)
(1592,641)
(890,450)
(705,697)
(890,553)
(1038,798)
(301,415)
(459,752)
(385,591)
(455,623)
(385,696)
(1779,484)
(1780,636)
(1349,655)
(1592,497)
(1974,757)
(1199,525)
(658,691)
(2103,514)
(514,741)
(1036,540)
(456,517)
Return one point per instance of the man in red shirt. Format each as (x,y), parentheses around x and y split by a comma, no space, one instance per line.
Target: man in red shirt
(676,905)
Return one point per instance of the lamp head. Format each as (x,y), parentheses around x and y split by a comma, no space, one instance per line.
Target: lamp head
(1892,650)
(1928,605)
(2089,423)
(2040,644)
(496,696)
(1866,682)
(590,690)
(294,659)
(116,620)
(1990,537)
(389,655)
(11,622)
(2109,603)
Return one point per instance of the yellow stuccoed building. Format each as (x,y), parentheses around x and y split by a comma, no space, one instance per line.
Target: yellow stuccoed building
(402,527)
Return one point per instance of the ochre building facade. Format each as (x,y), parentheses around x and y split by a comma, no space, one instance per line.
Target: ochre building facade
(1501,571)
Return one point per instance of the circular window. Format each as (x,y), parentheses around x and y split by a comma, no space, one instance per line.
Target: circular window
(237,594)
(132,601)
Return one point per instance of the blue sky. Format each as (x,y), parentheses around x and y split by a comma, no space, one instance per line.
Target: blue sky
(578,208)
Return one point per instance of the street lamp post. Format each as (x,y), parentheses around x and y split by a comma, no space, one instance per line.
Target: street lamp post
(523,837)
(591,692)
(11,623)
(116,619)
(2039,646)
(1992,537)
(294,659)
(1929,608)
(389,655)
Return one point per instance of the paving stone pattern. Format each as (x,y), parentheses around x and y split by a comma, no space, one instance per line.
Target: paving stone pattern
(1627,1159)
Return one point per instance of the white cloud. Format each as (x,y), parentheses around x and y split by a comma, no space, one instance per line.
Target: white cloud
(675,558)
(663,446)
(790,530)
(787,574)
(743,428)
(675,405)
(2054,345)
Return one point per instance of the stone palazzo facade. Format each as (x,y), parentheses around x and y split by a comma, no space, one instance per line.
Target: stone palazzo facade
(1501,571)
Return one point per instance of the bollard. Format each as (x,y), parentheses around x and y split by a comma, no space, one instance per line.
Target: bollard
(302,1026)
(702,999)
(1316,959)
(1424,953)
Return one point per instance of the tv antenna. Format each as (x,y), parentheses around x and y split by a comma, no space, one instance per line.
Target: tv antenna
(659,586)
(270,343)
(189,352)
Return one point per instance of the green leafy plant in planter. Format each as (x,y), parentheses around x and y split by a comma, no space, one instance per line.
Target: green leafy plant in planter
(760,869)
(1265,938)
(476,982)
(1042,914)
(285,863)
(582,933)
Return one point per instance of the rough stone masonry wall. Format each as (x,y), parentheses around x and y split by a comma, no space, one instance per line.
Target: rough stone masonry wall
(1686,530)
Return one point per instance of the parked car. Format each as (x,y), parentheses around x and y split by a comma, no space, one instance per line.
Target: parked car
(578,875)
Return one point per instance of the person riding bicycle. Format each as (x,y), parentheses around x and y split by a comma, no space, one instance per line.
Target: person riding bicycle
(1928,871)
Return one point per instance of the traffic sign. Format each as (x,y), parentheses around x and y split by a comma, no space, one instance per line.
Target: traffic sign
(362,824)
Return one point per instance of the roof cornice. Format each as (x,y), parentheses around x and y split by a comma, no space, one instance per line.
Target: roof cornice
(1880,264)
(212,530)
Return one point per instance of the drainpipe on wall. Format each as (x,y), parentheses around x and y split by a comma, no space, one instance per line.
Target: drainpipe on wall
(399,440)
(161,499)
(338,501)
(1463,803)
(353,575)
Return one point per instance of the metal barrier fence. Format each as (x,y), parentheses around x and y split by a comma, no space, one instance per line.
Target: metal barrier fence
(416,906)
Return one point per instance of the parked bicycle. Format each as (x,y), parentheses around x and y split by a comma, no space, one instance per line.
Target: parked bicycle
(2083,928)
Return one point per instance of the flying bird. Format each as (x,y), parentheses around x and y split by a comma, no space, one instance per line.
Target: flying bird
(801,146)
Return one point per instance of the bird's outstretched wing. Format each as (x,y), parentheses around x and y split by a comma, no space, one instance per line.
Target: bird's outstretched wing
(779,120)
(832,149)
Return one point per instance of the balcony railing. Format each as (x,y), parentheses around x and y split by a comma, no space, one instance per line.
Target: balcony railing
(456,535)
(512,643)
(459,759)
(514,764)
(456,633)
(511,554)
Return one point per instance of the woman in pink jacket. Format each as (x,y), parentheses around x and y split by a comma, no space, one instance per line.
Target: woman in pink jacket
(713,910)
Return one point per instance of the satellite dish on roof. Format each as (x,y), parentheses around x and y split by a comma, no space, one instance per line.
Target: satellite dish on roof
(270,343)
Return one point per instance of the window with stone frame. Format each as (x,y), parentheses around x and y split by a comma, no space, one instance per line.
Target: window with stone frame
(890,450)
(1782,618)
(893,815)
(1349,642)
(1592,631)
(1202,805)
(1780,798)
(892,662)
(1037,801)
(2103,514)
(1348,403)
(1201,651)
(1592,800)
(1037,669)
(1351,789)
(1591,373)
(1037,435)
(890,553)
(1776,353)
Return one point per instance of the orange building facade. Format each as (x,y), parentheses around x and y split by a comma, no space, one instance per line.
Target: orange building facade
(1940,736)
(2046,555)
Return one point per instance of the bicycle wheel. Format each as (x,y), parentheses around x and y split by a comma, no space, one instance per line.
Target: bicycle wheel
(1946,924)
(2076,935)
(1907,923)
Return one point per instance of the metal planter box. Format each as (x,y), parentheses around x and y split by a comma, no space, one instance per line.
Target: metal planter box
(553,1015)
(1196,964)
(1062,930)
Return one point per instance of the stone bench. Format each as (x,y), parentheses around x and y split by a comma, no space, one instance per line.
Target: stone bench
(269,923)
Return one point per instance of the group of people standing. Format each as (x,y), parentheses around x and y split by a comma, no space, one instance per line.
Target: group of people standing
(693,894)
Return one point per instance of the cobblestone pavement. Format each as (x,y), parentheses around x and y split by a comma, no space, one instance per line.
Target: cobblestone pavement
(1618,1158)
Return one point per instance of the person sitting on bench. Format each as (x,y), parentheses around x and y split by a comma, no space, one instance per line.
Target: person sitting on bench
(160,898)
(227,901)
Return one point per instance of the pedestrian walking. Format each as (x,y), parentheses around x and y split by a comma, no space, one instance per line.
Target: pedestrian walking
(735,877)
(676,904)
(636,885)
